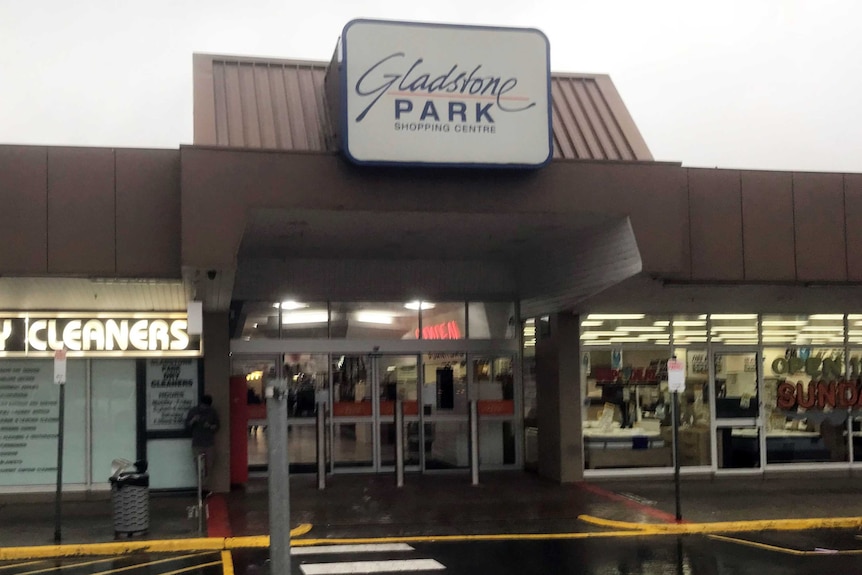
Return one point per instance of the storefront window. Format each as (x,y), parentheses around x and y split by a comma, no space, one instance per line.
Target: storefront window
(689,330)
(804,413)
(625,414)
(694,429)
(528,374)
(365,320)
(492,320)
(733,329)
(627,329)
(441,320)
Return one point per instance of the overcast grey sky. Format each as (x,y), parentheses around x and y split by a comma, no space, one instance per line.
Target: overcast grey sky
(765,84)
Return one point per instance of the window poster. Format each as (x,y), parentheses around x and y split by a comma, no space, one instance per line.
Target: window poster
(29,416)
(172,389)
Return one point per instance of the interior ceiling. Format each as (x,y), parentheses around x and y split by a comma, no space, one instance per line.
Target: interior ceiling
(329,234)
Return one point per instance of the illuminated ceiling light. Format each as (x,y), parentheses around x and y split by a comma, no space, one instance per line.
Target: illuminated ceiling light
(596,342)
(829,316)
(854,316)
(417,305)
(733,316)
(380,317)
(723,328)
(625,340)
(681,333)
(290,305)
(663,323)
(591,323)
(299,317)
(640,328)
(783,322)
(616,316)
(778,332)
(823,328)
(597,334)
(726,335)
(689,322)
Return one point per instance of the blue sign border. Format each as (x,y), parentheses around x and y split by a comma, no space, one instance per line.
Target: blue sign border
(345,131)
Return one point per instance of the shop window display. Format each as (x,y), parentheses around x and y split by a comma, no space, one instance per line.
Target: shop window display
(625,408)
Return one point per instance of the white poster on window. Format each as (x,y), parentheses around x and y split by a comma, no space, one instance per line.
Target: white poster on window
(29,415)
(172,389)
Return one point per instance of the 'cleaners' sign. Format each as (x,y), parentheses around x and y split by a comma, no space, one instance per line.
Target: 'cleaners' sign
(440,94)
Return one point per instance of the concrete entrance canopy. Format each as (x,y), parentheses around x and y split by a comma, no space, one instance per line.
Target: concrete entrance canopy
(314,226)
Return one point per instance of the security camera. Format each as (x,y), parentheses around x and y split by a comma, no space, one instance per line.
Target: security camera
(211,274)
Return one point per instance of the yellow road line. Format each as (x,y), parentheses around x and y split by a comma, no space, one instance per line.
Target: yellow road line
(227,563)
(21,564)
(786,550)
(71,565)
(192,568)
(155,562)
(732,526)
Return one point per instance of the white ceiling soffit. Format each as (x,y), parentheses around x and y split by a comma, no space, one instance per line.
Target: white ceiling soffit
(80,294)
(595,261)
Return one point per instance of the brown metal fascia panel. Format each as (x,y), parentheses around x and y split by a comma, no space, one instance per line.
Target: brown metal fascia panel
(204,112)
(580,104)
(566,133)
(324,122)
(623,118)
(23,219)
(233,103)
(605,149)
(296,121)
(279,104)
(148,213)
(610,124)
(853,207)
(818,204)
(308,105)
(593,150)
(715,224)
(81,211)
(601,121)
(248,104)
(767,226)
(266,114)
(220,97)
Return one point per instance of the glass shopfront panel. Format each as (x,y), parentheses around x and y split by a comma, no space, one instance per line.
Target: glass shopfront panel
(694,424)
(377,321)
(442,320)
(112,407)
(494,382)
(626,423)
(738,447)
(492,320)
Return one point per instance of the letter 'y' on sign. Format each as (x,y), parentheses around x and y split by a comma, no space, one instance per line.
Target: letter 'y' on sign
(60,366)
(675,375)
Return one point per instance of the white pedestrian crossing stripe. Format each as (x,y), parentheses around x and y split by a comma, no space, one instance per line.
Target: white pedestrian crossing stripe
(394,566)
(369,548)
(358,567)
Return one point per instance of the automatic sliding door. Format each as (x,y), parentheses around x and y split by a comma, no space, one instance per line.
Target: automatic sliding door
(398,377)
(446,432)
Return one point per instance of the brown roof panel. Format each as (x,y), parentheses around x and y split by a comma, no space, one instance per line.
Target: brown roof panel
(280,104)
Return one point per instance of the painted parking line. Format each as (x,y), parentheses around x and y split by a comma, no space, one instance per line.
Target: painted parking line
(189,562)
(731,526)
(393,566)
(341,549)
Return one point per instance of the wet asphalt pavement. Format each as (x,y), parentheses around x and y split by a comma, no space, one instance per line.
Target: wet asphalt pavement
(819,552)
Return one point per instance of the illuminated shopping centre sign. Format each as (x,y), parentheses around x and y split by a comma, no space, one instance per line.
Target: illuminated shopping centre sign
(97,335)
(446,95)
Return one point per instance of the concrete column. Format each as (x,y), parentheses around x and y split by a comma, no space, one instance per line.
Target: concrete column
(558,385)
(216,342)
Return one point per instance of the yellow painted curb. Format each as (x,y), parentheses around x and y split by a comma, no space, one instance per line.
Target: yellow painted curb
(227,563)
(148,546)
(730,526)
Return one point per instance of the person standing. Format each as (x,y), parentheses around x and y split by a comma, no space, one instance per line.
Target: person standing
(203,422)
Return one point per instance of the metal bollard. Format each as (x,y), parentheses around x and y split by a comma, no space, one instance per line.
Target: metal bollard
(201,462)
(474,442)
(399,443)
(321,445)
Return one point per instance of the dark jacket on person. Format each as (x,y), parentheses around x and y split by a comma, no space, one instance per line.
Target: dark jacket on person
(202,420)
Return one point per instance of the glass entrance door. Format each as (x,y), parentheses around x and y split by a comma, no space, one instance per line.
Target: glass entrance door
(736,396)
(365,388)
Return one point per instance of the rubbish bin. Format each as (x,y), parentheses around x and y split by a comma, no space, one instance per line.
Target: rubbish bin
(130,495)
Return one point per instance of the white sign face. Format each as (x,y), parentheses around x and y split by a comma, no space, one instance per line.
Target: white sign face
(675,375)
(446,95)
(172,389)
(60,367)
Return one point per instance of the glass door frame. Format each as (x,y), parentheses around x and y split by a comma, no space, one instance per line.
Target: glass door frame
(756,422)
(472,348)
